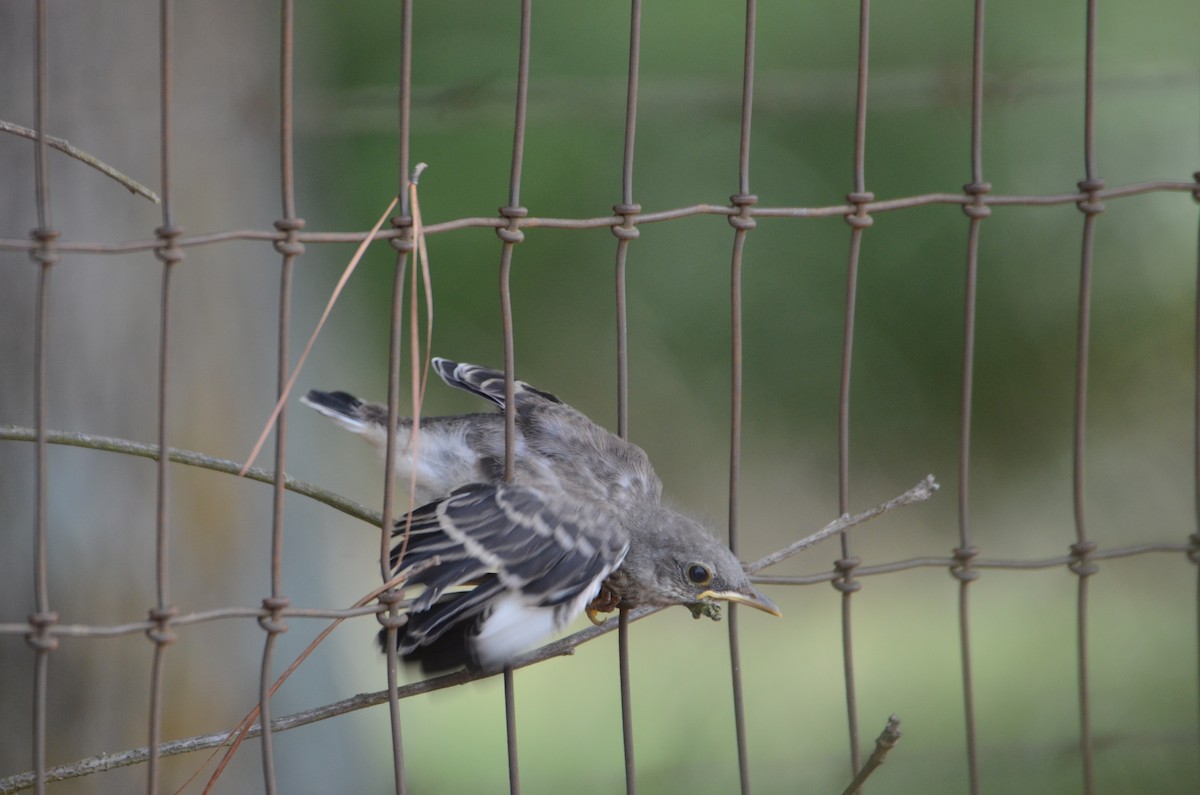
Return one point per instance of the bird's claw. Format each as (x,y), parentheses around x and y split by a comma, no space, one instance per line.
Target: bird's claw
(605,602)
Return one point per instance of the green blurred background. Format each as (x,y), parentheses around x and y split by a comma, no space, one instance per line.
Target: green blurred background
(904,419)
(907,362)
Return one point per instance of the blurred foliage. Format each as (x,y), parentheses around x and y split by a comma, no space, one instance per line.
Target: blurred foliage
(907,360)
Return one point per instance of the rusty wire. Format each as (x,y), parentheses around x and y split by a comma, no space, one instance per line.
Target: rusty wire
(162,634)
(742,224)
(45,255)
(510,236)
(1082,549)
(625,233)
(872,207)
(274,604)
(859,220)
(964,553)
(43,629)
(404,245)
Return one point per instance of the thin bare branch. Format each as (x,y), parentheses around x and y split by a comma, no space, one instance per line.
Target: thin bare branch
(58,143)
(885,742)
(191,458)
(918,493)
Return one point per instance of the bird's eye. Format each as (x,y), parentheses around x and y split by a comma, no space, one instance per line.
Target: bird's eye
(699,575)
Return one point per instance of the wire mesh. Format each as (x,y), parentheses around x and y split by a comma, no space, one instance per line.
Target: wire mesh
(169,242)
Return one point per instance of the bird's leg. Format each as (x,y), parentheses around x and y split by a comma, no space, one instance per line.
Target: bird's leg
(605,602)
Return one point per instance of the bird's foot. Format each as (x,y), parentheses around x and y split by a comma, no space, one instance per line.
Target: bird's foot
(605,602)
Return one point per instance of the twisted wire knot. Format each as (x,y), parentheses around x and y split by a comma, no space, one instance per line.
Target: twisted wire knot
(743,220)
(626,230)
(978,207)
(1090,205)
(961,570)
(40,638)
(274,622)
(161,633)
(845,581)
(169,251)
(45,253)
(405,242)
(1081,558)
(289,246)
(390,619)
(512,233)
(860,218)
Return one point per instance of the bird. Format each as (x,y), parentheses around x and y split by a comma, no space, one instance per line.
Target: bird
(580,527)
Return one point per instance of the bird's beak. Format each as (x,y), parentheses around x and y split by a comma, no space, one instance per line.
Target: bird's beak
(752,599)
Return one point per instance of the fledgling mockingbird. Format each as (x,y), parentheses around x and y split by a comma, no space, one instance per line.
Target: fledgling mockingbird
(580,526)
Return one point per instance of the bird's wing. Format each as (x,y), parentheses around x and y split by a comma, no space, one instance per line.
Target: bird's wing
(486,382)
(546,551)
(559,443)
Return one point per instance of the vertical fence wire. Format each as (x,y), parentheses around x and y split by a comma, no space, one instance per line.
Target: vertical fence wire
(289,249)
(44,254)
(512,235)
(742,222)
(1194,546)
(170,254)
(627,744)
(403,247)
(859,220)
(1081,550)
(976,211)
(627,209)
(626,232)
(392,596)
(1082,547)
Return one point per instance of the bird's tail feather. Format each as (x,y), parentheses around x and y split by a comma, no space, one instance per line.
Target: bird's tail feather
(485,382)
(340,406)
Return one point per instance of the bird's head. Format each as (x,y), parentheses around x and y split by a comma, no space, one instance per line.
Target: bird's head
(676,561)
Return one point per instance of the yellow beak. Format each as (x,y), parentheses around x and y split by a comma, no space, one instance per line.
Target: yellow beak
(753,599)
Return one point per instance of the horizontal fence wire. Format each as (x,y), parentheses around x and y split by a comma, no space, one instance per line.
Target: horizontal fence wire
(43,629)
(949,563)
(872,207)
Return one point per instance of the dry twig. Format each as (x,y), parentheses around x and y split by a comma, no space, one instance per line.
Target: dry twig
(885,742)
(176,455)
(58,143)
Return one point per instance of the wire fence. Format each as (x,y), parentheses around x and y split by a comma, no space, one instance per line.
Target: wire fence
(48,244)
